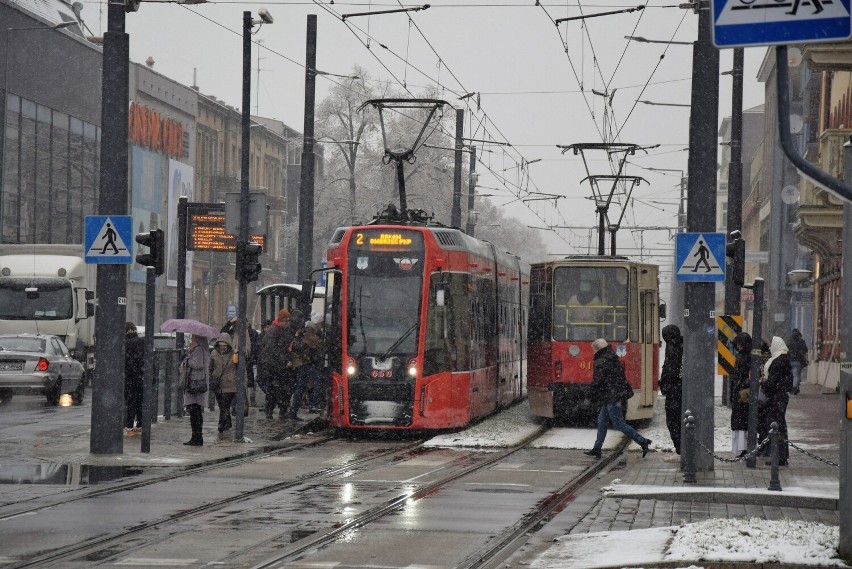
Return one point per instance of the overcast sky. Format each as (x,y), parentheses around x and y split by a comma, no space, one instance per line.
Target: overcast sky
(527,71)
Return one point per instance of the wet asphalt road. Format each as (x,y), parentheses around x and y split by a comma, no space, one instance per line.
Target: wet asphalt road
(442,529)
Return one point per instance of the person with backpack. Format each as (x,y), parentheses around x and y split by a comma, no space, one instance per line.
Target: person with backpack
(609,388)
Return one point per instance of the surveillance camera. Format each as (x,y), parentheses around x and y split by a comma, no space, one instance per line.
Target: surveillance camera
(736,234)
(265,16)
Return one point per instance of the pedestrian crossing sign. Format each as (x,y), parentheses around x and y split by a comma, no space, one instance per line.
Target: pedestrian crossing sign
(743,23)
(106,239)
(700,257)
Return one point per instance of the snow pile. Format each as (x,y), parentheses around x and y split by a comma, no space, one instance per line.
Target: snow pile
(717,540)
(757,540)
(506,429)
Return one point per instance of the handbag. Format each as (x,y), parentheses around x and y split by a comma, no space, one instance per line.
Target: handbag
(192,384)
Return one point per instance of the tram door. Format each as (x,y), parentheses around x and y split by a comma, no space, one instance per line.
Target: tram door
(648,322)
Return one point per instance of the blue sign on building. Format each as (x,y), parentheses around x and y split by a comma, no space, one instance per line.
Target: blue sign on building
(743,23)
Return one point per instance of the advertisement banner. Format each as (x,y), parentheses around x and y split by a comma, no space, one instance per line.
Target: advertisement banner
(180,185)
(146,180)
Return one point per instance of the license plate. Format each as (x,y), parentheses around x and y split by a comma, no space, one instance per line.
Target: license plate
(11,366)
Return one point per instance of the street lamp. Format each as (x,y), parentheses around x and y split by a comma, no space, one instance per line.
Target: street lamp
(640,39)
(3,111)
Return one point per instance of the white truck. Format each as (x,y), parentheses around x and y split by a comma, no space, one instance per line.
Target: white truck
(49,289)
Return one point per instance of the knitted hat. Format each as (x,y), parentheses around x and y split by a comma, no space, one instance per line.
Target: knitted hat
(599,344)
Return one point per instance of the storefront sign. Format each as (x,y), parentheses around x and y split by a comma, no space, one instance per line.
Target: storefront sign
(146,128)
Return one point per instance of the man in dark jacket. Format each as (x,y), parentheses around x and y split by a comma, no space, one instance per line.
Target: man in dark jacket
(798,354)
(671,381)
(273,365)
(609,387)
(134,368)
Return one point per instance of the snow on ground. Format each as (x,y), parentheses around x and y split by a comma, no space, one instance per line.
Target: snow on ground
(721,540)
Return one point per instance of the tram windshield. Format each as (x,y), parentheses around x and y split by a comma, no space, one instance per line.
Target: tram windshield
(590,303)
(383,292)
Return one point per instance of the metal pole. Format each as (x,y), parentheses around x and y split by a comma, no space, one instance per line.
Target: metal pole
(601,230)
(689,448)
(244,225)
(455,214)
(844,506)
(306,191)
(735,174)
(774,442)
(107,433)
(699,348)
(754,375)
(471,224)
(180,307)
(148,406)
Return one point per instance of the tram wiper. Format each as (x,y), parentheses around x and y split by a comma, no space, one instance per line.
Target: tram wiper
(399,342)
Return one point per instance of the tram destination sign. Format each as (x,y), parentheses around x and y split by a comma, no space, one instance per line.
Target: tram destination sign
(206,230)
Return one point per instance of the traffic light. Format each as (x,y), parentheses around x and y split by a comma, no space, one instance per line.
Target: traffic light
(248,261)
(155,257)
(735,250)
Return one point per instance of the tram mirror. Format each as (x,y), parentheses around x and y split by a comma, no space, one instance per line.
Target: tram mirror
(662,311)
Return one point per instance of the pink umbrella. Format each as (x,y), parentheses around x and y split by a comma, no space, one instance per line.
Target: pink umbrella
(189,326)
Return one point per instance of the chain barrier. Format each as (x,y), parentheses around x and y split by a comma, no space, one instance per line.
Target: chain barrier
(757,451)
(813,456)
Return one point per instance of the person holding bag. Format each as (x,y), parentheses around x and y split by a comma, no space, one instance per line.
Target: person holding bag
(194,372)
(609,387)
(223,378)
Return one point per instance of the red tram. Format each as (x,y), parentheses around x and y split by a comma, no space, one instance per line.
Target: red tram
(575,300)
(430,327)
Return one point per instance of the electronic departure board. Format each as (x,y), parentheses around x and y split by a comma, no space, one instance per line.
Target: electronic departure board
(206,231)
(387,240)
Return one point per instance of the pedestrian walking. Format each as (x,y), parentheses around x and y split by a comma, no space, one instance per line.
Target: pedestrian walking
(609,388)
(194,374)
(223,378)
(671,381)
(273,369)
(134,375)
(798,354)
(740,389)
(778,382)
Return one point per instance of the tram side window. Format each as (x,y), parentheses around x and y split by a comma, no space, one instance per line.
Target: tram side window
(446,327)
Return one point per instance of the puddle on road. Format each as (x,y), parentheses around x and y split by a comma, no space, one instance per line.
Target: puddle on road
(63,474)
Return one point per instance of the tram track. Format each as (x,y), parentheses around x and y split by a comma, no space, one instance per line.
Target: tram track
(191,470)
(113,540)
(503,544)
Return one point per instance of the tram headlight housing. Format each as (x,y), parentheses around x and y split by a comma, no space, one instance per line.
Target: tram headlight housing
(350,367)
(412,368)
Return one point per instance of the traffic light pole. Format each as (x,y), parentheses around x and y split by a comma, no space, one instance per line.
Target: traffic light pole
(756,363)
(242,239)
(148,378)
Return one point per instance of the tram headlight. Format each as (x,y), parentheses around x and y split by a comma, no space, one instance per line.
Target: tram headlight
(412,367)
(350,367)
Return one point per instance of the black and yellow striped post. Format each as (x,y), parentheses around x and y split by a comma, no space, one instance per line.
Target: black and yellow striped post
(727,328)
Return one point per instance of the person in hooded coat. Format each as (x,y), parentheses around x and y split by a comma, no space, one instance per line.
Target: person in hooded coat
(798,354)
(671,381)
(609,387)
(223,378)
(740,386)
(196,362)
(777,383)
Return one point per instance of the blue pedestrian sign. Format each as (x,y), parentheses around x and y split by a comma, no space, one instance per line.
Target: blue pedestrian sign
(107,238)
(700,257)
(743,23)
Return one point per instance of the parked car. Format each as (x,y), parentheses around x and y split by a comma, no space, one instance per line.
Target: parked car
(39,364)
